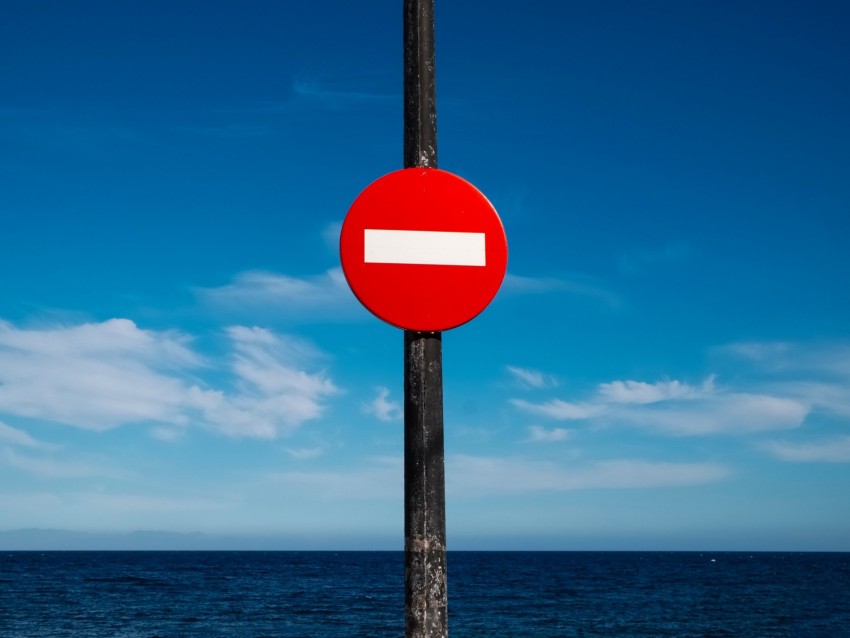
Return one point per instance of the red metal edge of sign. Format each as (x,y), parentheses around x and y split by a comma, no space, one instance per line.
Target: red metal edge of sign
(437,250)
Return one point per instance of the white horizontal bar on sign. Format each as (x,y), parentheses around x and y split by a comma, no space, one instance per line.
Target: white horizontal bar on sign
(424,247)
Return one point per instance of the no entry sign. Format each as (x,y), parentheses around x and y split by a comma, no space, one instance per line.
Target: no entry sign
(423,249)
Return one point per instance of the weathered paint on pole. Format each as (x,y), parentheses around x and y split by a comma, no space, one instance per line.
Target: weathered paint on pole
(424,470)
(420,92)
(424,488)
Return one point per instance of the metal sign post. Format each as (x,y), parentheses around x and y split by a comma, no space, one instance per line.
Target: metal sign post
(425,599)
(425,251)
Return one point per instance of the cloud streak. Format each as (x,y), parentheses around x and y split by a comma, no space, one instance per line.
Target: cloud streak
(261,293)
(788,386)
(50,468)
(98,376)
(579,285)
(836,450)
(529,378)
(324,94)
(676,408)
(382,407)
(273,396)
(14,436)
(539,434)
(817,374)
(813,360)
(559,410)
(94,376)
(642,393)
(312,91)
(487,475)
(639,261)
(475,476)
(382,478)
(733,413)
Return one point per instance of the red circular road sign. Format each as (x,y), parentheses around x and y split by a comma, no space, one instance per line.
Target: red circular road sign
(423,249)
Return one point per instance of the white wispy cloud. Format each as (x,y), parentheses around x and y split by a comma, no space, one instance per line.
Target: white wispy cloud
(830,397)
(539,434)
(788,384)
(103,375)
(767,354)
(382,407)
(49,467)
(116,507)
(642,392)
(379,478)
(261,293)
(330,235)
(273,394)
(335,92)
(14,436)
(167,434)
(816,374)
(835,450)
(138,505)
(639,260)
(468,475)
(531,378)
(476,475)
(732,413)
(113,336)
(580,285)
(312,90)
(94,375)
(812,361)
(304,453)
(559,410)
(677,408)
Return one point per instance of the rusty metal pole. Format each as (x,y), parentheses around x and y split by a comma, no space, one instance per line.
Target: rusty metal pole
(425,597)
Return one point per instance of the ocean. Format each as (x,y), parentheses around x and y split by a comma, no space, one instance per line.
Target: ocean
(347,594)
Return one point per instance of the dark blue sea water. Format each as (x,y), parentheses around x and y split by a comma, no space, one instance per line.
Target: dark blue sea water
(326,594)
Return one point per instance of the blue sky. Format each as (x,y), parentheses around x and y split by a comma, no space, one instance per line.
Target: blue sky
(667,365)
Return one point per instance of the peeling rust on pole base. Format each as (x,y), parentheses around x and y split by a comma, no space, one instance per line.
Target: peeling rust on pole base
(424,488)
